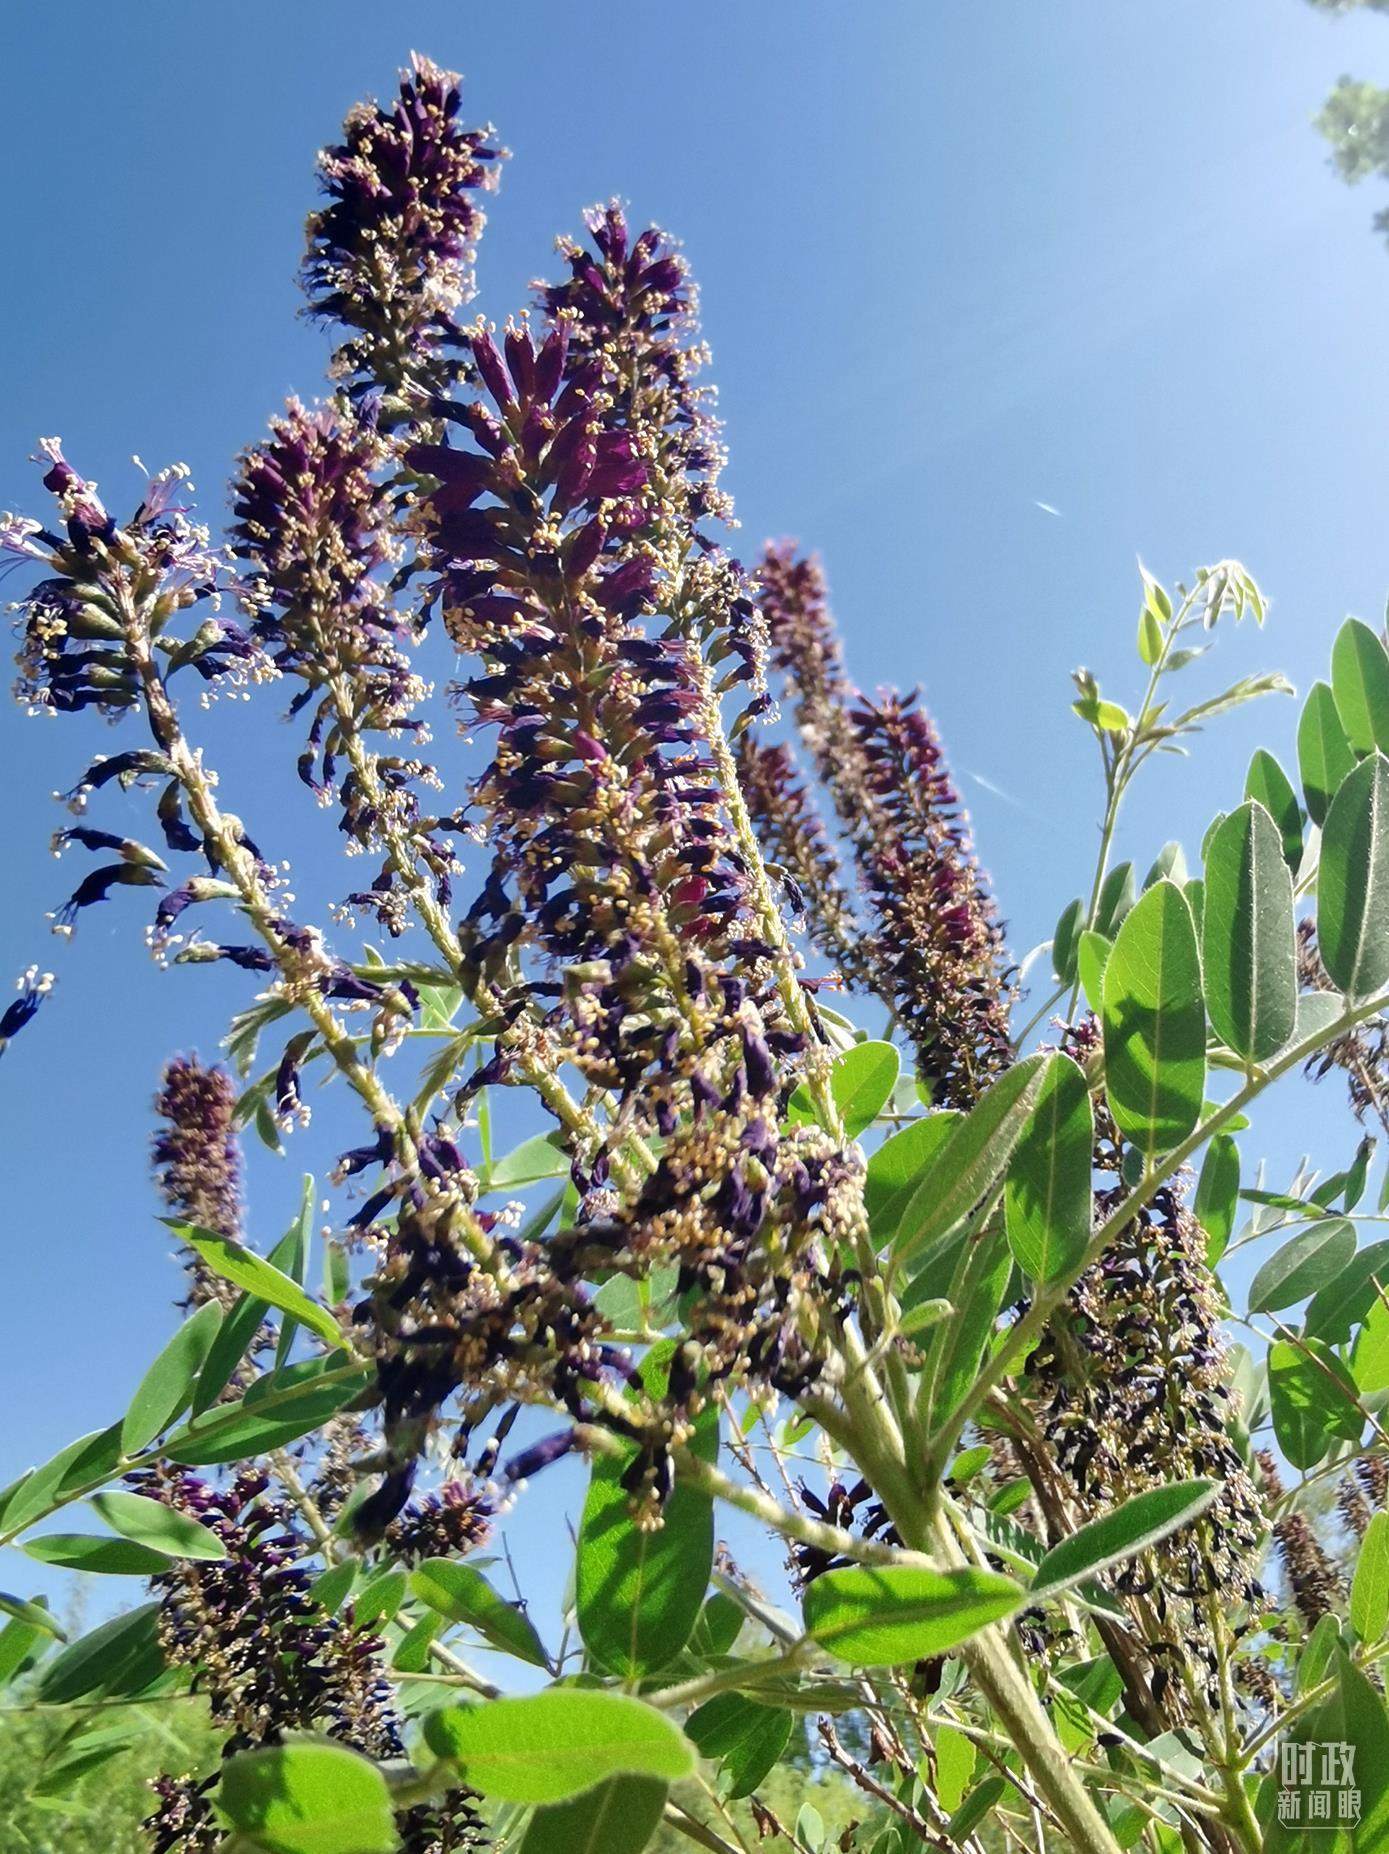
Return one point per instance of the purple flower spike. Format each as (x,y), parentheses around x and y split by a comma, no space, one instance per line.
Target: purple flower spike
(390,256)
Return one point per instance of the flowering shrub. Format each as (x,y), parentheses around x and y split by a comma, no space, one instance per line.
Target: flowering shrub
(1072,1567)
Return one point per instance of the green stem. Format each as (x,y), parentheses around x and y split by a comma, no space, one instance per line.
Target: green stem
(732,1679)
(694,1830)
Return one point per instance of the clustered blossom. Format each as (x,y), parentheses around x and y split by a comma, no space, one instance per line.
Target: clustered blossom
(939,941)
(631,306)
(313,524)
(448,1524)
(77,650)
(935,950)
(1131,1384)
(390,256)
(197,1154)
(1315,1585)
(197,1158)
(1359,1496)
(794,836)
(98,632)
(630,309)
(266,1656)
(612,851)
(618,901)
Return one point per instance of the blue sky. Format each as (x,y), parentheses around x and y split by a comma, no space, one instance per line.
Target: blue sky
(957,262)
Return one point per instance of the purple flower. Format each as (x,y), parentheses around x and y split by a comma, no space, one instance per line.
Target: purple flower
(937,952)
(313,523)
(390,256)
(76,651)
(34,986)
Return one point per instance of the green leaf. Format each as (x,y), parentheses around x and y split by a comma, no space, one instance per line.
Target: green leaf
(329,1590)
(1268,785)
(379,1598)
(897,1167)
(1108,716)
(89,1552)
(618,1817)
(31,1615)
(810,1829)
(882,1617)
(921,1315)
(1359,1172)
(1195,892)
(168,1384)
(955,1761)
(1122,1533)
(1343,1302)
(556,1744)
(251,1272)
(1155,1023)
(1317,1011)
(1155,596)
(149,1522)
(861,1082)
(638,1590)
(971,1161)
(1149,637)
(308,1797)
(1369,1358)
(464,1595)
(229,1347)
(1353,882)
(958,1345)
(1360,685)
(719,1626)
(1217,1195)
(1065,941)
(975,1807)
(1312,1400)
(103,1658)
(1308,1261)
(242,1323)
(412,1655)
(1092,956)
(1049,1194)
(21,1649)
(1247,689)
(1369,1591)
(1367,1729)
(723,1722)
(755,1756)
(1169,864)
(297,1245)
(968,1463)
(88,1753)
(534,1159)
(1324,756)
(233,1431)
(87,1461)
(1117,896)
(1317,1652)
(1249,939)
